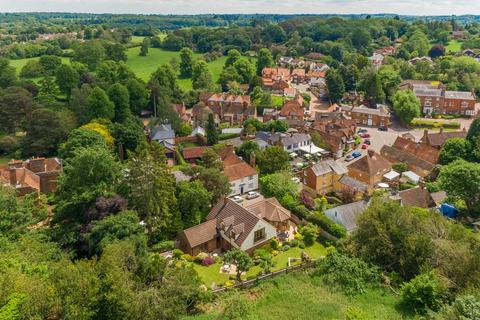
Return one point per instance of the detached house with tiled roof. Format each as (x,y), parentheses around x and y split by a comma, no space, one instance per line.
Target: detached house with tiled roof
(370,169)
(230,225)
(242,176)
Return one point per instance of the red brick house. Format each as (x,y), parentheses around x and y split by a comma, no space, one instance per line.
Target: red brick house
(34,175)
(293,109)
(435,99)
(379,117)
(230,108)
(370,169)
(337,133)
(298,76)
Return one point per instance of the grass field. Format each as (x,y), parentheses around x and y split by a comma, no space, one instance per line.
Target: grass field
(145,66)
(19,63)
(454,46)
(299,296)
(211,274)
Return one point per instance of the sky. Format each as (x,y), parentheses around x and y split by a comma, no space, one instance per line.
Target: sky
(410,7)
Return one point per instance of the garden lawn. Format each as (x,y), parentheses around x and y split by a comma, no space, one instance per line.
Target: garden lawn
(277,100)
(454,46)
(300,296)
(145,66)
(211,273)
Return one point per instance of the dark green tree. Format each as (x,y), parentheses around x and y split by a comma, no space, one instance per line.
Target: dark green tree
(45,132)
(212,133)
(273,159)
(186,62)
(264,60)
(193,202)
(99,105)
(120,97)
(335,85)
(67,79)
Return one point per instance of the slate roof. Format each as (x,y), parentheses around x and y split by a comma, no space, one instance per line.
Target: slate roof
(353,183)
(417,197)
(323,167)
(347,215)
(162,132)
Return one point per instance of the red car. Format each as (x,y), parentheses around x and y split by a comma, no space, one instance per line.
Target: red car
(364,146)
(365,135)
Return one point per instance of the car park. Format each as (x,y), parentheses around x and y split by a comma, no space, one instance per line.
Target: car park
(252,195)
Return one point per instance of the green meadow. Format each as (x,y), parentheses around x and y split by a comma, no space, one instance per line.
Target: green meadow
(145,66)
(302,297)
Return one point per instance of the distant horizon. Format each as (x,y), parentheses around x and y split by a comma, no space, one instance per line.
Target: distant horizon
(286,7)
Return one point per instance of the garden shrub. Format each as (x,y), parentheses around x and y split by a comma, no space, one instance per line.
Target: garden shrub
(424,292)
(328,225)
(301,245)
(229,283)
(208,261)
(274,253)
(298,236)
(199,258)
(187,257)
(177,253)
(274,244)
(400,167)
(350,274)
(310,233)
(163,246)
(285,248)
(295,243)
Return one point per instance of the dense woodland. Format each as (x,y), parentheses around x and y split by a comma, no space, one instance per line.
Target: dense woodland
(91,249)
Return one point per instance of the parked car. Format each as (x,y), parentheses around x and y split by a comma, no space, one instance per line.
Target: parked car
(364,146)
(367,141)
(296,180)
(362,131)
(382,128)
(365,135)
(349,158)
(252,195)
(356,154)
(238,199)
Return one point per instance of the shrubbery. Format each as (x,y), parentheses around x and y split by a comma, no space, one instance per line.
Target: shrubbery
(427,123)
(351,275)
(424,292)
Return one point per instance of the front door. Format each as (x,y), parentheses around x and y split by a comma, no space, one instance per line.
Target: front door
(369,122)
(242,186)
